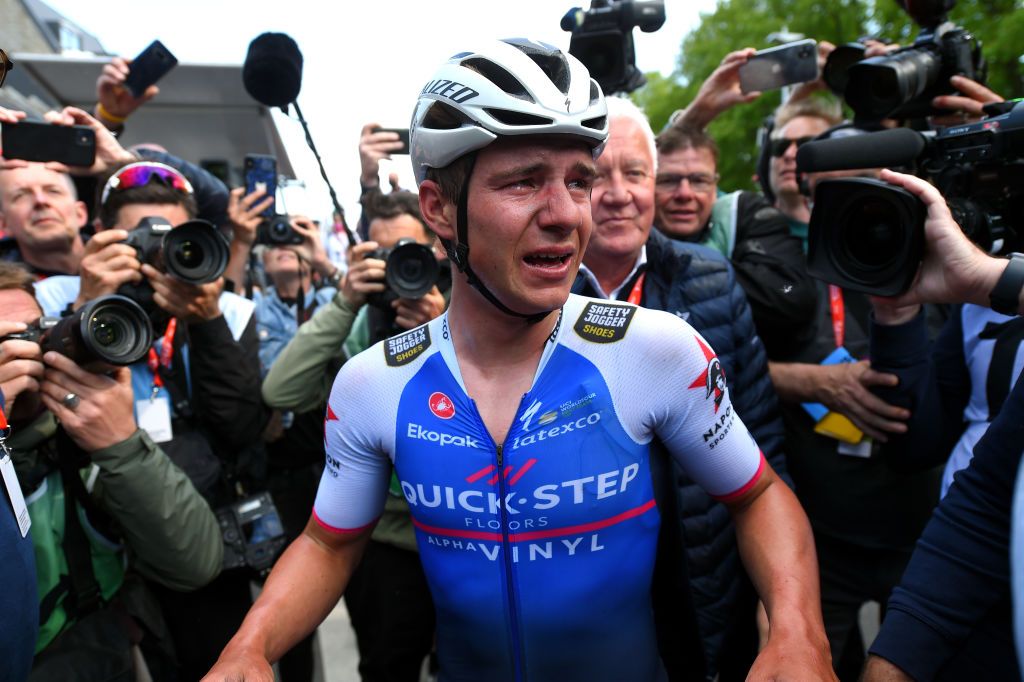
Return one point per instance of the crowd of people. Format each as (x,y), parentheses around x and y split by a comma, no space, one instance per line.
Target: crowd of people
(609,439)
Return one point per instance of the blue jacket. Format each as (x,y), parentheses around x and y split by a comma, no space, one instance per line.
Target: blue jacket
(699,285)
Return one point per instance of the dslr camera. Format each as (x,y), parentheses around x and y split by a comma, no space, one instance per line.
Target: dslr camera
(867,235)
(252,533)
(278,231)
(903,83)
(602,38)
(194,252)
(410,271)
(109,330)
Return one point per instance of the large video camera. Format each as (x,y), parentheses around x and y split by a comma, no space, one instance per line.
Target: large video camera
(868,236)
(903,83)
(194,252)
(109,330)
(602,38)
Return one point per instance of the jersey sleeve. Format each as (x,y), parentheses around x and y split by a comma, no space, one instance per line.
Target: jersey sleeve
(358,435)
(694,416)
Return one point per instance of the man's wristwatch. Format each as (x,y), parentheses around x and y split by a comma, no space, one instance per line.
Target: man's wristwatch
(1005,296)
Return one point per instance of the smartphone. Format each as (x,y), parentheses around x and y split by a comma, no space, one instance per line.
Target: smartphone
(151,65)
(775,67)
(403,137)
(261,173)
(31,141)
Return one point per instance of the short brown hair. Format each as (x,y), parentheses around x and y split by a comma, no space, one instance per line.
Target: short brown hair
(675,138)
(825,108)
(14,276)
(155,192)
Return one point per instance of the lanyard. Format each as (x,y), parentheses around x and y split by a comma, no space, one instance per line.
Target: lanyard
(835,299)
(637,291)
(166,349)
(3,424)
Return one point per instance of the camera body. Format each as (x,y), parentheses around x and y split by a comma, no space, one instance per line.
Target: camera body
(903,83)
(868,236)
(109,330)
(602,38)
(278,231)
(252,533)
(410,271)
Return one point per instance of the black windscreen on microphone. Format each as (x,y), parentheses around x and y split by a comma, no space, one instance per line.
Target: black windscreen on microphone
(884,149)
(272,73)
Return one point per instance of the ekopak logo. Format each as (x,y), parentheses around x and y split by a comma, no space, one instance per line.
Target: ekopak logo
(441,405)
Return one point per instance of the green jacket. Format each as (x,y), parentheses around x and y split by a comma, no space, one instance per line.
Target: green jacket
(298,381)
(165,530)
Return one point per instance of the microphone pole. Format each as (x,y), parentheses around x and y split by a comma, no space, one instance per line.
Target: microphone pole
(352,237)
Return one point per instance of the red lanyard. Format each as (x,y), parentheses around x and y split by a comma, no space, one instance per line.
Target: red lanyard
(166,349)
(637,291)
(835,296)
(3,423)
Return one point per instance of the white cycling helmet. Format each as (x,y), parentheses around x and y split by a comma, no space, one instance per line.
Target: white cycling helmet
(511,87)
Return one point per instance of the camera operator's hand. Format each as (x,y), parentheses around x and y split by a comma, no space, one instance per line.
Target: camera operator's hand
(965,107)
(312,249)
(877,48)
(106,265)
(21,365)
(954,270)
(109,152)
(115,102)
(719,93)
(189,303)
(365,275)
(244,214)
(846,388)
(372,148)
(414,312)
(104,415)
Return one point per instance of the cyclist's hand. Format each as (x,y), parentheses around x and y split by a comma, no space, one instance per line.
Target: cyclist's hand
(240,668)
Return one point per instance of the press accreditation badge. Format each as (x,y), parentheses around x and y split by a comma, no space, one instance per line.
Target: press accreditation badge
(14,493)
(154,417)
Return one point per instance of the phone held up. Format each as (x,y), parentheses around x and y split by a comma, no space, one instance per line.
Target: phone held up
(261,174)
(34,141)
(151,65)
(403,137)
(775,67)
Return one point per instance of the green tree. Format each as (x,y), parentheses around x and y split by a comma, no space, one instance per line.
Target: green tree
(735,24)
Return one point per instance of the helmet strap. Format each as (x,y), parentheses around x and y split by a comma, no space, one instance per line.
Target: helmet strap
(458,252)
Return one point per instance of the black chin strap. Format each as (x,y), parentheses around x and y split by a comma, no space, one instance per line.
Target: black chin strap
(458,253)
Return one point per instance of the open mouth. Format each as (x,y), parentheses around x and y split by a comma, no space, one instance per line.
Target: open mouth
(548,260)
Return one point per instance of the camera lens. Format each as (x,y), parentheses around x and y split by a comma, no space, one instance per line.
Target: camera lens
(111,329)
(879,86)
(870,240)
(411,269)
(194,252)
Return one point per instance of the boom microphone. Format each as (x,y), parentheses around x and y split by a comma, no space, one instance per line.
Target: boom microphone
(884,149)
(272,73)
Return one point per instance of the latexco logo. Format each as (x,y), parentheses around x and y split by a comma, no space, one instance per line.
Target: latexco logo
(441,405)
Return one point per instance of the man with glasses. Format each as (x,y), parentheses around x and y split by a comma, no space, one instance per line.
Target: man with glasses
(741,226)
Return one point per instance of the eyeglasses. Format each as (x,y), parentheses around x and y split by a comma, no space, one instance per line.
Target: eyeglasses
(779,145)
(5,65)
(141,174)
(699,182)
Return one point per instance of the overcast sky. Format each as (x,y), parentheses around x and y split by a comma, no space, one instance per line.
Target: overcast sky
(364,61)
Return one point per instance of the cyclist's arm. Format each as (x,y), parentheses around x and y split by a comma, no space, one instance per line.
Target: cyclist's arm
(302,589)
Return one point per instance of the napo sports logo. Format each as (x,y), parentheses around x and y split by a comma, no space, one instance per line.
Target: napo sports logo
(712,379)
(441,405)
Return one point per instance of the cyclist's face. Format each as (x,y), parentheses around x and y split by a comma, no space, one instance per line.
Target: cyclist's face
(529,219)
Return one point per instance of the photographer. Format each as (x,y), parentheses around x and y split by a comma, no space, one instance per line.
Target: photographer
(202,375)
(950,616)
(387,599)
(75,438)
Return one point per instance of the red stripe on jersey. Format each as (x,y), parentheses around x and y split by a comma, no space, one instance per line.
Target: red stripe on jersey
(342,531)
(729,497)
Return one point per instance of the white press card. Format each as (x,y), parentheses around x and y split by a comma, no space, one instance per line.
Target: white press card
(155,418)
(14,492)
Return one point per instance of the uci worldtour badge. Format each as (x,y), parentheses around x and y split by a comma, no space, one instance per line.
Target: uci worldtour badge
(603,322)
(404,348)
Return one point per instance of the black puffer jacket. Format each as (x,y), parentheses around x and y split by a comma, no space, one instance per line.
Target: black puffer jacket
(701,592)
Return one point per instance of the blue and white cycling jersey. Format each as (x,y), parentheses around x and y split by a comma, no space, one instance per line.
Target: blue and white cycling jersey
(539,551)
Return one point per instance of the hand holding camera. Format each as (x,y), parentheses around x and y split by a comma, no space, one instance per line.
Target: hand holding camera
(102,415)
(21,367)
(190,303)
(312,248)
(365,274)
(107,264)
(410,313)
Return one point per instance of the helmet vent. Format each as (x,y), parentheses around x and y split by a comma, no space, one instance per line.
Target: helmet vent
(499,76)
(443,116)
(595,92)
(555,67)
(595,123)
(518,118)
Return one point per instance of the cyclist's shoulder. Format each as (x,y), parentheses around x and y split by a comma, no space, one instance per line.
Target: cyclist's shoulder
(617,327)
